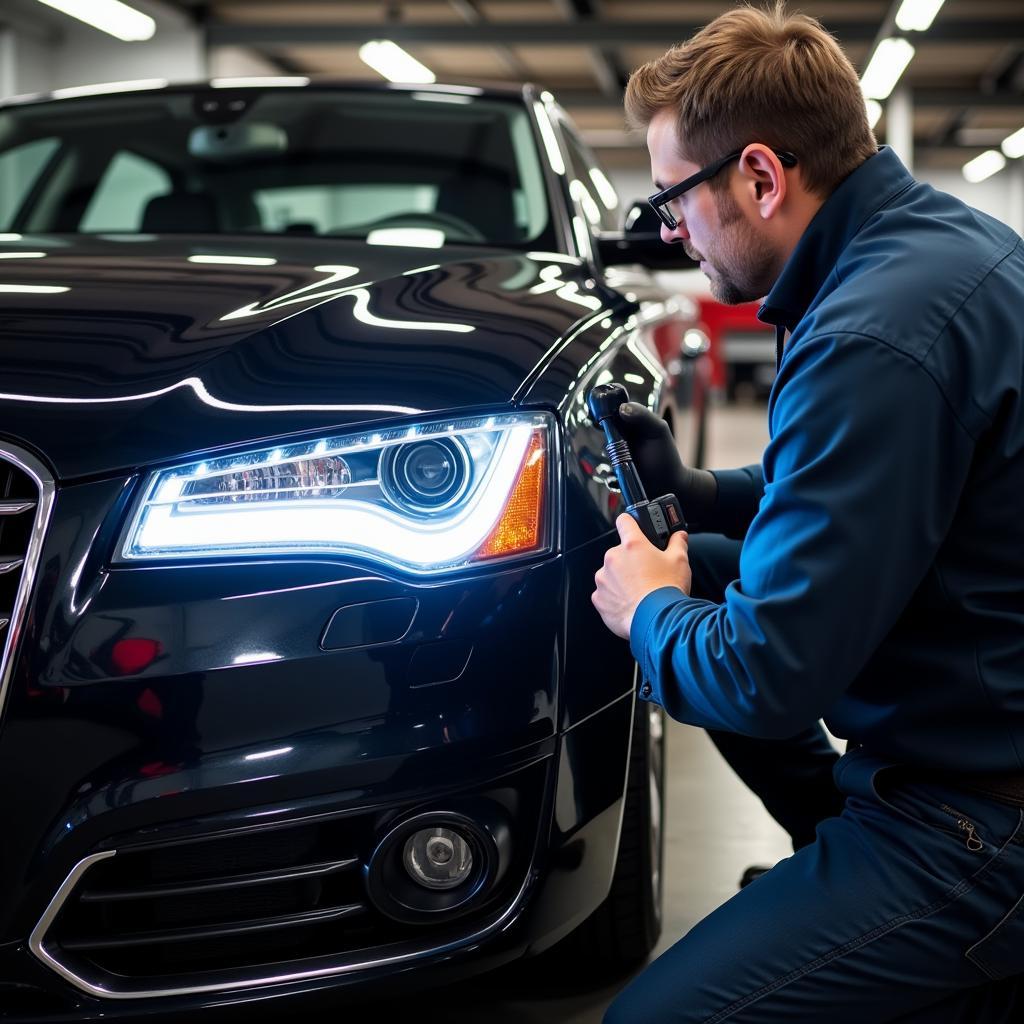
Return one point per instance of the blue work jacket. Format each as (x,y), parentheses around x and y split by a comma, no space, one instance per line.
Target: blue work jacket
(881,580)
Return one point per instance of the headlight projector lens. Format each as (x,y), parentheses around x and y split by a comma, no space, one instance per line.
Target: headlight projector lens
(438,858)
(427,476)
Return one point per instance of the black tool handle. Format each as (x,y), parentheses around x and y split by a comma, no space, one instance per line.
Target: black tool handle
(659,518)
(604,401)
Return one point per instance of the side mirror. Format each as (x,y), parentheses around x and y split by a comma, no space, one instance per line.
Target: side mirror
(640,242)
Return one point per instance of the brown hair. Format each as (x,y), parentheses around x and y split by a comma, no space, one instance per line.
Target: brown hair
(760,76)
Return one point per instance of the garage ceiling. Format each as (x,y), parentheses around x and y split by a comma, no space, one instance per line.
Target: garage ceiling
(967,76)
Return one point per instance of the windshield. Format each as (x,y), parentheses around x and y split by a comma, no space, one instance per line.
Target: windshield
(389,167)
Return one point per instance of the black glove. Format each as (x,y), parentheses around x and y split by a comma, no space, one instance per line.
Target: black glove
(661,468)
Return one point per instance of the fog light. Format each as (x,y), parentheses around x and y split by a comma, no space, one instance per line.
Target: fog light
(439,864)
(438,858)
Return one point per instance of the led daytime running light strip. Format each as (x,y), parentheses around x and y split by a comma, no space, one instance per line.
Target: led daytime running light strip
(503,515)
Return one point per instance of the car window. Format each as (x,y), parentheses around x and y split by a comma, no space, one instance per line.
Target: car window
(20,168)
(590,186)
(124,191)
(388,166)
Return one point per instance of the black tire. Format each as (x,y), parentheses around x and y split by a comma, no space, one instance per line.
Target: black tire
(621,933)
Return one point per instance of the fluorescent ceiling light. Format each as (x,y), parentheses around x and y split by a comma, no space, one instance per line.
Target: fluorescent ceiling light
(887,63)
(22,255)
(1013,145)
(874,109)
(981,167)
(296,81)
(917,15)
(393,63)
(102,88)
(10,236)
(111,16)
(235,261)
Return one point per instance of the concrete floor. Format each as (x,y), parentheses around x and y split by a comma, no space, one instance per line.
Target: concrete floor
(714,828)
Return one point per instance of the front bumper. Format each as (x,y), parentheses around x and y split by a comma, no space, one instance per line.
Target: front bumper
(186,726)
(561,873)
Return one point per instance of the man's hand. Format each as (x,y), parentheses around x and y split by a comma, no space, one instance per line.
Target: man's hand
(633,570)
(661,469)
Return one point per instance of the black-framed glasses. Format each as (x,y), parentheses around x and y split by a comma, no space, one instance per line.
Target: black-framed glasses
(660,200)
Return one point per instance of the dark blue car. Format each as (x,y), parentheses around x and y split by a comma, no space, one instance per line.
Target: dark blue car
(300,507)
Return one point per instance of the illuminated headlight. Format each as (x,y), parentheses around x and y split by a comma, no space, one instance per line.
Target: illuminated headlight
(427,498)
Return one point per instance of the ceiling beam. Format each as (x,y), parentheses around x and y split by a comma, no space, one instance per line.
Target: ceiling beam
(603,59)
(586,33)
(470,12)
(607,140)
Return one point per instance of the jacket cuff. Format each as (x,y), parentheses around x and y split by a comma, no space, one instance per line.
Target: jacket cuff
(739,494)
(643,619)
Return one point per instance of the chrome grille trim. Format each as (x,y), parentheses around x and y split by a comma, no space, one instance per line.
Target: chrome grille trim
(15,508)
(254,978)
(44,506)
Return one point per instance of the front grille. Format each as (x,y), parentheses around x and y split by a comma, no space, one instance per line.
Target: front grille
(152,918)
(219,904)
(25,496)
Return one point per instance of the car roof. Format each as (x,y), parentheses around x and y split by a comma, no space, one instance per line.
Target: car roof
(521,92)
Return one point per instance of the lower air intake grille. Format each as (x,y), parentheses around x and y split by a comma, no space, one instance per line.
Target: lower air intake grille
(221,903)
(154,918)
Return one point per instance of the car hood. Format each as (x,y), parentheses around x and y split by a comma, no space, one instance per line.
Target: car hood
(120,352)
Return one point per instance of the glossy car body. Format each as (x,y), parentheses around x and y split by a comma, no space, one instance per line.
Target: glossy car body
(200,755)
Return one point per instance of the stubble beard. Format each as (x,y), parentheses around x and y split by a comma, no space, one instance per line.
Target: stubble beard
(744,264)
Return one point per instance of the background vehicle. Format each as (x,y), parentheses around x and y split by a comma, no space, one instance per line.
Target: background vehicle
(302,687)
(742,348)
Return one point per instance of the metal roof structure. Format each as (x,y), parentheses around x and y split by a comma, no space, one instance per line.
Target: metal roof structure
(966,77)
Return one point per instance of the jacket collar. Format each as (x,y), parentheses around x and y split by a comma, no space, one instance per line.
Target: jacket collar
(876,182)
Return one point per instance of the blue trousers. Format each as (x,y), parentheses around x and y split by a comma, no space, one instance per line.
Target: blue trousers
(908,906)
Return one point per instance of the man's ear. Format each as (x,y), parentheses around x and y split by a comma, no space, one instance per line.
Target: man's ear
(764,177)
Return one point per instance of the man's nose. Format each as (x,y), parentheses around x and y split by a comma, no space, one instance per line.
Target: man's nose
(676,234)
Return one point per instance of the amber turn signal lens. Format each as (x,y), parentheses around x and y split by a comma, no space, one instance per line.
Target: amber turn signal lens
(521,525)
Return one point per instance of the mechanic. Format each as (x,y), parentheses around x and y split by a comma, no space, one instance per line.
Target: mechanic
(880,582)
